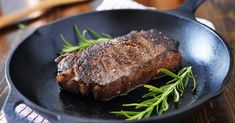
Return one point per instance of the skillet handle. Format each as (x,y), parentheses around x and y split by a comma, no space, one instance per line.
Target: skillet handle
(14,98)
(187,9)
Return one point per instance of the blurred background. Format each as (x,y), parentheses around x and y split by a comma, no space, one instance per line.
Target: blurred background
(11,6)
(220,12)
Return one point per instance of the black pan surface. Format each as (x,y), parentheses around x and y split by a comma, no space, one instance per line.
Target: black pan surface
(31,68)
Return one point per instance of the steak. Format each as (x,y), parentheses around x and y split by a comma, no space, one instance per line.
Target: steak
(116,67)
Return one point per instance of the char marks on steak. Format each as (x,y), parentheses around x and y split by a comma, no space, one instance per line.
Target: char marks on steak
(118,66)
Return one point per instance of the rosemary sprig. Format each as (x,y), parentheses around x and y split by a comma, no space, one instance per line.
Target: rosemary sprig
(158,97)
(83,42)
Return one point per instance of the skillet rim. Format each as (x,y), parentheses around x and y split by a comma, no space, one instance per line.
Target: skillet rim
(44,112)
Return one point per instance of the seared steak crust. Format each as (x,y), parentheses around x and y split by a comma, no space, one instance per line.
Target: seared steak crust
(114,68)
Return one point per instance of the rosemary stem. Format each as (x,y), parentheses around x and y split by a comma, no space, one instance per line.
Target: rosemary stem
(176,86)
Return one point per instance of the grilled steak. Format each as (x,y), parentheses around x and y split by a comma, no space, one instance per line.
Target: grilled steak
(118,66)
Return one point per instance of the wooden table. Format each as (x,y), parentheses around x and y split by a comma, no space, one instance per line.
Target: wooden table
(220,12)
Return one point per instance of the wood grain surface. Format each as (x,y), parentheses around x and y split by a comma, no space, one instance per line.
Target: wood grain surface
(220,12)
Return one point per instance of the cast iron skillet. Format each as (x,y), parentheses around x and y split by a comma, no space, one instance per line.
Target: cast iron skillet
(30,69)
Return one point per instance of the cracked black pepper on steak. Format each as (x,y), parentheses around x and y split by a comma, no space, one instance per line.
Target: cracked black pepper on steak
(116,67)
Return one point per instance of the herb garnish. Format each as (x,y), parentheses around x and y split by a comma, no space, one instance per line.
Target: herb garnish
(83,42)
(158,97)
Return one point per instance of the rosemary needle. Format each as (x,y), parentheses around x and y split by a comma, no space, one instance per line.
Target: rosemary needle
(158,97)
(83,41)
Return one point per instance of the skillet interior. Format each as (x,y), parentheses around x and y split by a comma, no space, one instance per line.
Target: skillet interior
(32,68)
